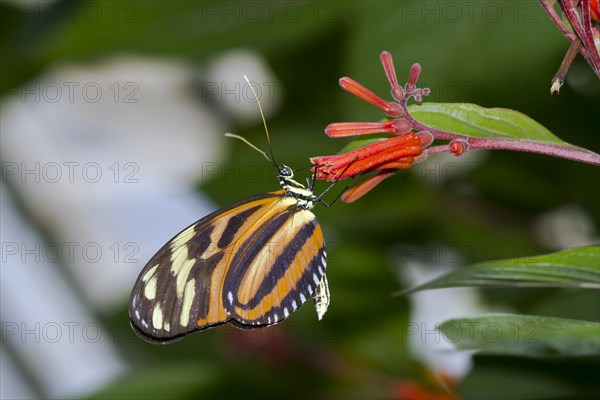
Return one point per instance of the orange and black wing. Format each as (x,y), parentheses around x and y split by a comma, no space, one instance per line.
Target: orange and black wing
(276,269)
(263,252)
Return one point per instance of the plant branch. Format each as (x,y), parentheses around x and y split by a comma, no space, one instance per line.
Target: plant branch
(577,30)
(557,20)
(584,32)
(534,147)
(568,152)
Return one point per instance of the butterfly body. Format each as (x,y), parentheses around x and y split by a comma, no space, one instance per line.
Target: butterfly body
(251,264)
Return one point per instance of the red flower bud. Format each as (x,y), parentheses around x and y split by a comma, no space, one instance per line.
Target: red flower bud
(391,109)
(356,192)
(343,129)
(458,147)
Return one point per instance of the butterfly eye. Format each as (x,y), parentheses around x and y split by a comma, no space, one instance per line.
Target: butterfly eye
(286,171)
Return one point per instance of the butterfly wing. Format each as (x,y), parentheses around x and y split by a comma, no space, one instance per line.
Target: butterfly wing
(180,289)
(277,268)
(264,250)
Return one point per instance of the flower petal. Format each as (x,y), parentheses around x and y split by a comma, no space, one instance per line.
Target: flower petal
(356,192)
(344,129)
(391,109)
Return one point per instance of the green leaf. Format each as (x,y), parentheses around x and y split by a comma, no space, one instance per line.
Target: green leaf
(579,268)
(479,122)
(524,335)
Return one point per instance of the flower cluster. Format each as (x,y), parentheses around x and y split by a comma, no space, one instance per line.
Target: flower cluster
(383,155)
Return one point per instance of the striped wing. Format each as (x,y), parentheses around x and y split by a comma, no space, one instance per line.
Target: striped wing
(184,287)
(277,267)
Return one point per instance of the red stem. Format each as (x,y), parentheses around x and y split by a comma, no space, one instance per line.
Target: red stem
(557,20)
(444,148)
(518,145)
(533,147)
(584,32)
(588,51)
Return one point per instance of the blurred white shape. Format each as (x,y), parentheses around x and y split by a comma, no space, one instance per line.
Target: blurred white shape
(12,383)
(128,110)
(55,338)
(105,156)
(566,227)
(430,308)
(225,84)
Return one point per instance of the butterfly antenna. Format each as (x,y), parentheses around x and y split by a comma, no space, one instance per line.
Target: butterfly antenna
(262,114)
(231,135)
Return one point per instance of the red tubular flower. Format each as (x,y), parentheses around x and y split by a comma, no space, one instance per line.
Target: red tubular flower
(386,155)
(396,152)
(390,73)
(357,191)
(343,129)
(350,85)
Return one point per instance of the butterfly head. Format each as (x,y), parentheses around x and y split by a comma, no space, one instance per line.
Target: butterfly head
(303,195)
(284,172)
(285,177)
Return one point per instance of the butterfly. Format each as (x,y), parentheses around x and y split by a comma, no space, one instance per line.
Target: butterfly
(250,264)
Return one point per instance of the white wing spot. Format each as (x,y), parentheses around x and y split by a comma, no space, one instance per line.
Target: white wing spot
(188,299)
(321,272)
(269,319)
(183,238)
(150,289)
(230,297)
(157,317)
(149,274)
(144,323)
(310,289)
(323,260)
(286,313)
(137,314)
(275,317)
(316,279)
(183,273)
(302,298)
(178,257)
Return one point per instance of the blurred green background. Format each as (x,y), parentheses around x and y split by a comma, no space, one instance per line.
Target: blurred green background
(495,54)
